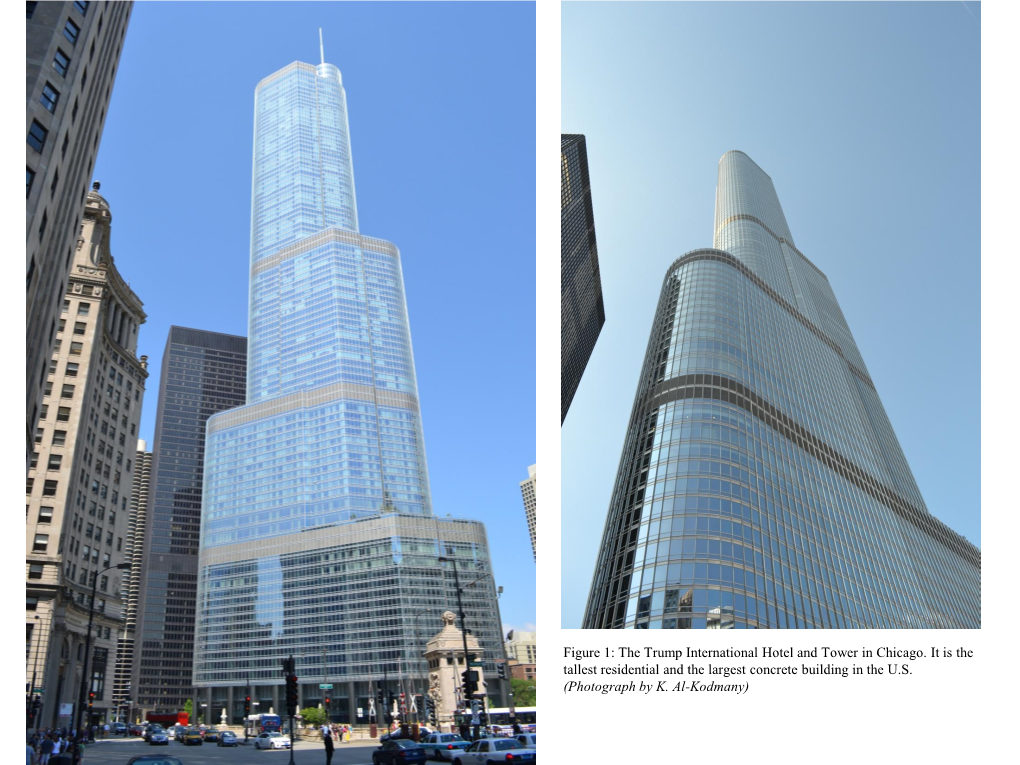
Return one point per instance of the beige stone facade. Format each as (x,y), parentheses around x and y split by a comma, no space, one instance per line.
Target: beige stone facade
(72,53)
(445,656)
(80,479)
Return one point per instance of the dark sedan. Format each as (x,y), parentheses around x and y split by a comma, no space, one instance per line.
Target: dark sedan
(398,752)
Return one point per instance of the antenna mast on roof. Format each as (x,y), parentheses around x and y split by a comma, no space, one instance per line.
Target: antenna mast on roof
(322,56)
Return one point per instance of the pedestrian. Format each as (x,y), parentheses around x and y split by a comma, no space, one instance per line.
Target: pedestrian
(81,751)
(517,728)
(327,740)
(106,729)
(45,750)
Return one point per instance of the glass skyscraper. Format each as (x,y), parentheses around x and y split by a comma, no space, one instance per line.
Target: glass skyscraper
(761,484)
(582,310)
(318,537)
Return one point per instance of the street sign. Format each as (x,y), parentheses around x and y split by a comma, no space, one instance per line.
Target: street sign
(476,664)
(65,710)
(39,690)
(325,686)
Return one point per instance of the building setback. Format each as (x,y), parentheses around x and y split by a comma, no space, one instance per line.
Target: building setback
(582,311)
(72,52)
(81,474)
(202,373)
(529,490)
(761,484)
(138,508)
(318,537)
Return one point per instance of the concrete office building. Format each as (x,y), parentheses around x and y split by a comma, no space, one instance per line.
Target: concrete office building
(81,475)
(202,373)
(72,52)
(318,537)
(761,484)
(582,311)
(138,508)
(529,490)
(522,646)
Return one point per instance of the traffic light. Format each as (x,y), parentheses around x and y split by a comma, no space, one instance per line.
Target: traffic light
(292,695)
(501,671)
(247,706)
(470,678)
(379,697)
(327,702)
(92,697)
(430,710)
(483,718)
(389,699)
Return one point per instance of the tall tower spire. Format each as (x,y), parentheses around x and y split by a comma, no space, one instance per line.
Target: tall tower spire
(322,56)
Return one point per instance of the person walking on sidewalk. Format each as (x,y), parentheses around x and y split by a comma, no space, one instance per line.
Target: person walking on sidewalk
(327,740)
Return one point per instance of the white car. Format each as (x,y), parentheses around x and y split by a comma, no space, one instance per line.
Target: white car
(444,746)
(494,750)
(527,740)
(272,741)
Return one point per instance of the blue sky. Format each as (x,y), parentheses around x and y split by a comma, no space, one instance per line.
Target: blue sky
(867,117)
(442,116)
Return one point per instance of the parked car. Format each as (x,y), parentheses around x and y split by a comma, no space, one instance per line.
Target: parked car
(443,746)
(227,738)
(136,730)
(272,740)
(192,736)
(495,750)
(398,751)
(527,740)
(154,759)
(118,728)
(211,734)
(159,737)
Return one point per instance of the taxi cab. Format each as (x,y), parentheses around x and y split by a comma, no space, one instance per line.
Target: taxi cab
(192,736)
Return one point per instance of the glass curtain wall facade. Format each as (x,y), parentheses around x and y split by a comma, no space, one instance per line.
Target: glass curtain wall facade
(202,373)
(317,525)
(582,311)
(761,484)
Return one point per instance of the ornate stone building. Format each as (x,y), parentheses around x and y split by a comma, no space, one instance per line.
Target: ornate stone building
(80,479)
(445,656)
(72,52)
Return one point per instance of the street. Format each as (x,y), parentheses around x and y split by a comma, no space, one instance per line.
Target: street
(119,751)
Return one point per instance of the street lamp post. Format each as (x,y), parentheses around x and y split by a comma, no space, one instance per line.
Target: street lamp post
(502,645)
(85,680)
(463,626)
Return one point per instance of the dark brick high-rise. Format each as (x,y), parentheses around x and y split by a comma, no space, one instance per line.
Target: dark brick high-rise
(582,311)
(203,373)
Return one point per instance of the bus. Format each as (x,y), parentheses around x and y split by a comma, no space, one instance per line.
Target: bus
(256,724)
(167,719)
(502,725)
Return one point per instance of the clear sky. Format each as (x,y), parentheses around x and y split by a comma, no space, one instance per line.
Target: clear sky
(867,118)
(442,116)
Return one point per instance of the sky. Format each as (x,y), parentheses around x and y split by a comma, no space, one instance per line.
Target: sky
(867,118)
(442,116)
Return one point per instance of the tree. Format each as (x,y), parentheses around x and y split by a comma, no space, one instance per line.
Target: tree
(313,716)
(524,692)
(188,707)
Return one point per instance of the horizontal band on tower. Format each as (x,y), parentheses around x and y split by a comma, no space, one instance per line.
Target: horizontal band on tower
(324,237)
(305,399)
(728,390)
(721,256)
